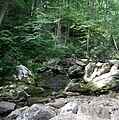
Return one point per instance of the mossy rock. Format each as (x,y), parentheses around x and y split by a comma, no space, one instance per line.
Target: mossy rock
(53,83)
(34,91)
(40,80)
(90,86)
(64,78)
(94,87)
(5,82)
(73,87)
(34,100)
(80,87)
(28,81)
(56,83)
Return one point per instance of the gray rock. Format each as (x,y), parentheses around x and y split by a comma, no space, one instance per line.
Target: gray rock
(75,71)
(81,62)
(14,114)
(70,116)
(37,112)
(56,83)
(101,75)
(104,107)
(94,111)
(6,107)
(33,100)
(12,92)
(72,87)
(71,107)
(60,102)
(24,73)
(114,61)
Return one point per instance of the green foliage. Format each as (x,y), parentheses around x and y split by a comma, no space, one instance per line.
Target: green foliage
(87,30)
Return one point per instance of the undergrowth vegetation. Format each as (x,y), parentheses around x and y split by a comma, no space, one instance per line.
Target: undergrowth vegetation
(57,29)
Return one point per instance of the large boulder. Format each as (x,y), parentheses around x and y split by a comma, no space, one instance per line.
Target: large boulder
(104,107)
(53,83)
(87,107)
(24,74)
(14,114)
(102,75)
(6,107)
(37,112)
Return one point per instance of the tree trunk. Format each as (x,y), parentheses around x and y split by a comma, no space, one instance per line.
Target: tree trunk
(3,11)
(58,34)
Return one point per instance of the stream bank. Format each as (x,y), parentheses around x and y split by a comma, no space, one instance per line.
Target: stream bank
(68,87)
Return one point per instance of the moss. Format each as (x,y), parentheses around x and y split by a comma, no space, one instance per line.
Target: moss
(86,79)
(34,100)
(34,91)
(91,86)
(64,78)
(77,87)
(27,81)
(41,81)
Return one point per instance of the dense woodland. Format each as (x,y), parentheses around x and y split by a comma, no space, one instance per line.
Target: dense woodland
(32,31)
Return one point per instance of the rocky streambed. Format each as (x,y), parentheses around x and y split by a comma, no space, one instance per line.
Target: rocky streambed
(103,107)
(68,89)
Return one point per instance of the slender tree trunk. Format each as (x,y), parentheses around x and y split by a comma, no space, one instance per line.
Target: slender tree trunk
(106,8)
(88,9)
(92,9)
(32,8)
(58,34)
(3,11)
